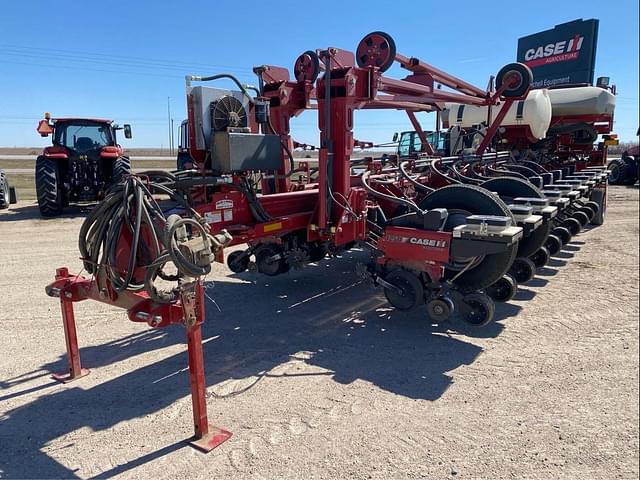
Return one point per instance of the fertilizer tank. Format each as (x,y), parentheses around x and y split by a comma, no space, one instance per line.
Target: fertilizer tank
(578,101)
(533,112)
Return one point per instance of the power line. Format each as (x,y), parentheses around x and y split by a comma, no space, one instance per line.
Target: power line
(120,58)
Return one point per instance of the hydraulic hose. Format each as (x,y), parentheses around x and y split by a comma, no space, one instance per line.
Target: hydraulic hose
(130,217)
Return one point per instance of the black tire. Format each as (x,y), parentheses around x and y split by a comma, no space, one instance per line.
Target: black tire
(5,191)
(509,188)
(563,234)
(617,172)
(412,291)
(541,257)
(504,289)
(573,226)
(525,75)
(121,169)
(48,187)
(599,196)
(479,201)
(478,309)
(593,206)
(588,211)
(582,217)
(553,244)
(523,270)
(440,309)
(267,266)
(238,261)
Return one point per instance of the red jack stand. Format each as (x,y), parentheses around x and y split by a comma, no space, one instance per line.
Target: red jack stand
(189,312)
(73,352)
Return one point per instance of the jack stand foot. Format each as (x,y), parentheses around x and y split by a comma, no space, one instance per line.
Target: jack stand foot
(211,440)
(66,377)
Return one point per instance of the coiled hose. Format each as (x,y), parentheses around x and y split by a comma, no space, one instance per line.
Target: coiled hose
(129,210)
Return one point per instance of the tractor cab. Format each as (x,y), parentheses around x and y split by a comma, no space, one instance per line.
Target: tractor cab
(83,161)
(83,136)
(410,144)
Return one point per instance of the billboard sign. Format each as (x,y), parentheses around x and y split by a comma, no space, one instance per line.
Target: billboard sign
(564,55)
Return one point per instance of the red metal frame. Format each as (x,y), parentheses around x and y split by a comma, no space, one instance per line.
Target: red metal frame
(74,288)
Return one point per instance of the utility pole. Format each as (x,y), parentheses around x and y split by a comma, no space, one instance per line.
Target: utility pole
(173,147)
(169,125)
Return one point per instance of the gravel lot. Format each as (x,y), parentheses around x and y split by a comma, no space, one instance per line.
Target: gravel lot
(318,378)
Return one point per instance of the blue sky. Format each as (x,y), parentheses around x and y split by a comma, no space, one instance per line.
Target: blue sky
(122,59)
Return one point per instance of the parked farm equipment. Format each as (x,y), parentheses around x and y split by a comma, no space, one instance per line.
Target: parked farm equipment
(437,235)
(84,160)
(626,169)
(8,194)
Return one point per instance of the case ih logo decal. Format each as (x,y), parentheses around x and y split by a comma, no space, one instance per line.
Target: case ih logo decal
(554,52)
(563,55)
(425,242)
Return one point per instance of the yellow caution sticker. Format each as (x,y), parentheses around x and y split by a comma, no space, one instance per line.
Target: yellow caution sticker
(272,227)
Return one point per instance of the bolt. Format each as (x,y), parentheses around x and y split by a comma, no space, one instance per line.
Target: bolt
(68,294)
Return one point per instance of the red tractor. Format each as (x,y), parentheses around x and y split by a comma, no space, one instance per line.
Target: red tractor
(83,161)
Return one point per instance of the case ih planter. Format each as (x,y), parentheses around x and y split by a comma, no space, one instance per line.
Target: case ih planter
(84,160)
(437,242)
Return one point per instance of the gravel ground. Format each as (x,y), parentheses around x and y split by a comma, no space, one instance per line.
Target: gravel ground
(318,378)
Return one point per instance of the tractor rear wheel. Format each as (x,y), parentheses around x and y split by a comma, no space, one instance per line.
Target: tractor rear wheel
(48,187)
(121,169)
(472,200)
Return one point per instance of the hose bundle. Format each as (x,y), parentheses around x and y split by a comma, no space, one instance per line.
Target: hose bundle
(130,217)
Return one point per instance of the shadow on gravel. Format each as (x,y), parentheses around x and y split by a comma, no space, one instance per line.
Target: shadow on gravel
(347,328)
(32,212)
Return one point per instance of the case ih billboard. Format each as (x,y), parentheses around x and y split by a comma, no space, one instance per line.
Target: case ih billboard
(563,55)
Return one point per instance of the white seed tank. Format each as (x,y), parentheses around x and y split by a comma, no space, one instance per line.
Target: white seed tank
(582,101)
(533,112)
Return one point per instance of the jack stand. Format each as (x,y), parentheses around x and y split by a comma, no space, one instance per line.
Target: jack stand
(71,337)
(189,313)
(206,437)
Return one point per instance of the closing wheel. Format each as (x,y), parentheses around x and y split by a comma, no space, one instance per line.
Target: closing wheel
(593,206)
(553,244)
(238,261)
(307,67)
(517,76)
(588,211)
(478,309)
(541,257)
(440,309)
(563,234)
(509,188)
(460,201)
(523,269)
(582,217)
(266,262)
(572,225)
(504,289)
(376,49)
(409,292)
